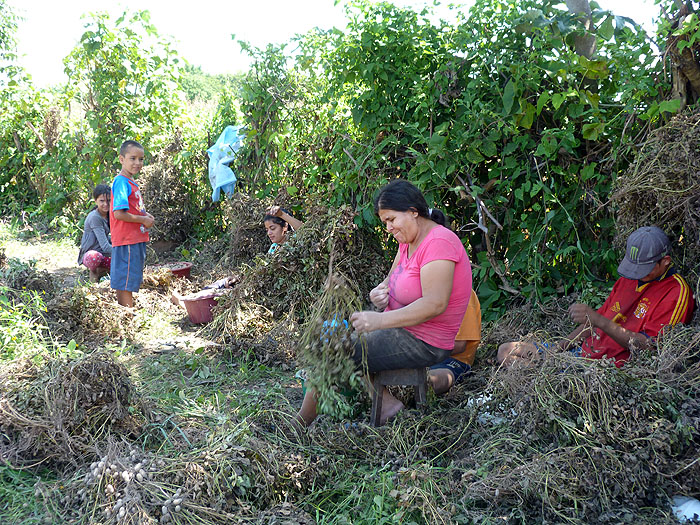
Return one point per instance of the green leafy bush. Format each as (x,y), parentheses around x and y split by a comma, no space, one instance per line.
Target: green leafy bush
(125,77)
(496,118)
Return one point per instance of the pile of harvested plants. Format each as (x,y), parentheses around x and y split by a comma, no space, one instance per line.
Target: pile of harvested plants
(246,233)
(60,410)
(662,187)
(221,482)
(19,275)
(91,313)
(167,192)
(273,287)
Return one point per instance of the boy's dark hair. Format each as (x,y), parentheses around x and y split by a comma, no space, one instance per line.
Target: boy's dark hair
(277,220)
(401,195)
(101,189)
(129,144)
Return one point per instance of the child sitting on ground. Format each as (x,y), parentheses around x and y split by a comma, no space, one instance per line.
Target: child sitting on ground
(278,222)
(130,223)
(95,245)
(455,368)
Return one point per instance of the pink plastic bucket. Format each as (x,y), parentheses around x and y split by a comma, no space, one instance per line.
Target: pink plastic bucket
(199,308)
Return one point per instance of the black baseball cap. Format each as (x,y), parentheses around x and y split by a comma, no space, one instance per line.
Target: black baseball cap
(645,247)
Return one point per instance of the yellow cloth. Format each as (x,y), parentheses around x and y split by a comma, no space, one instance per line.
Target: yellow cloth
(470,331)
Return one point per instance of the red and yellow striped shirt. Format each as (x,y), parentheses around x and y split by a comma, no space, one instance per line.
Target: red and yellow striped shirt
(641,307)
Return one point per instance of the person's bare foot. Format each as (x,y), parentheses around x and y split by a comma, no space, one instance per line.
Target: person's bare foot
(441,379)
(298,423)
(97,274)
(390,407)
(125,298)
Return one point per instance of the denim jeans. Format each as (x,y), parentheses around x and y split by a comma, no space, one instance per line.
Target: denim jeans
(394,348)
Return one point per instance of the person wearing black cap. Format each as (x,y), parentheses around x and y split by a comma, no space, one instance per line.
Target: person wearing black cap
(648,295)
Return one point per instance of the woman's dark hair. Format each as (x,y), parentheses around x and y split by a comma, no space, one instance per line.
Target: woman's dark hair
(101,189)
(401,195)
(277,220)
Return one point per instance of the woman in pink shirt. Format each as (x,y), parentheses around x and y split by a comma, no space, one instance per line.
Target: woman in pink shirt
(421,303)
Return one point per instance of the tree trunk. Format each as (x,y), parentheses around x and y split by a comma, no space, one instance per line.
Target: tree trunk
(584,45)
(690,68)
(685,69)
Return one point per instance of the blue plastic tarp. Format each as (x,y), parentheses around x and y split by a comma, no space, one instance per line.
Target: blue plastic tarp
(221,177)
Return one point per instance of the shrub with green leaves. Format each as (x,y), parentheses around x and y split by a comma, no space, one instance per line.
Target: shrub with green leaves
(125,77)
(496,118)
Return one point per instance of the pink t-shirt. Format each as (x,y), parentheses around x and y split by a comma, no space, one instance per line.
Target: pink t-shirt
(405,286)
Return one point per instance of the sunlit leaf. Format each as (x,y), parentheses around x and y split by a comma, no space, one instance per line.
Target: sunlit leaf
(606,28)
(508,97)
(670,106)
(593,131)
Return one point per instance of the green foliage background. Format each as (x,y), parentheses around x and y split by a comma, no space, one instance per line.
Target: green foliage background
(497,109)
(494,117)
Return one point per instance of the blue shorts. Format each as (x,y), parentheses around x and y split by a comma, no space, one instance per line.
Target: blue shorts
(127,266)
(541,347)
(458,369)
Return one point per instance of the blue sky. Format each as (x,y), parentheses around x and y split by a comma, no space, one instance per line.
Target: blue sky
(202,29)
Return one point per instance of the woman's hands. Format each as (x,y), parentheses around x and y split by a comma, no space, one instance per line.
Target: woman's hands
(366,321)
(380,296)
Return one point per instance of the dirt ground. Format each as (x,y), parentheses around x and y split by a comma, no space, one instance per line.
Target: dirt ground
(58,257)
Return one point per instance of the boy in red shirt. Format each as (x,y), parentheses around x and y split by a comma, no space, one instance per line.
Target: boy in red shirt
(648,295)
(129,223)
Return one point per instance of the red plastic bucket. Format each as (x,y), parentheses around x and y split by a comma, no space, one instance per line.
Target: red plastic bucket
(181,269)
(178,269)
(199,307)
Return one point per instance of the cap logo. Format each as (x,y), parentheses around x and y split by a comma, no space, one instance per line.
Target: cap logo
(634,253)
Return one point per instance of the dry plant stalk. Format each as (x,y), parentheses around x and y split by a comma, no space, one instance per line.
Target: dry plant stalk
(327,347)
